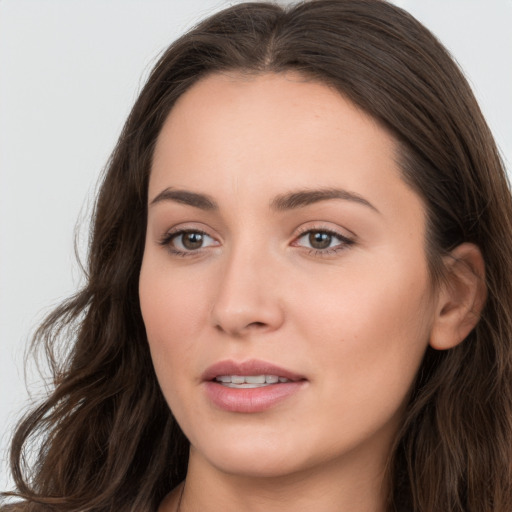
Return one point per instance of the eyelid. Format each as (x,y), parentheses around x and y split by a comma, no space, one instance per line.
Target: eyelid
(169,235)
(189,227)
(345,240)
(336,230)
(176,236)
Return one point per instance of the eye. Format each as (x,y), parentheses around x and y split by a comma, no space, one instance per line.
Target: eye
(187,241)
(323,240)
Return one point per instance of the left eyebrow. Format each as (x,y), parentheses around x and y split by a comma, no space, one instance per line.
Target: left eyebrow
(302,198)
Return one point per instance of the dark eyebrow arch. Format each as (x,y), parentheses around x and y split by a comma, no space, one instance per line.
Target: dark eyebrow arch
(302,198)
(201,201)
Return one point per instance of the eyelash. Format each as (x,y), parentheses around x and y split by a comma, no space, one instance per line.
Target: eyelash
(166,241)
(344,242)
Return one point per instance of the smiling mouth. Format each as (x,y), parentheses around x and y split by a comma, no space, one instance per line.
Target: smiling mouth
(249,381)
(250,386)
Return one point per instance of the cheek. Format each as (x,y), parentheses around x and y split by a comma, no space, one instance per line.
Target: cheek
(173,315)
(171,302)
(174,311)
(370,331)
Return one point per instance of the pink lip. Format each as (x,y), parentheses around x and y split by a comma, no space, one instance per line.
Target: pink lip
(251,367)
(254,399)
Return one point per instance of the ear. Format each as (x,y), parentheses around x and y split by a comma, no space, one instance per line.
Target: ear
(461,297)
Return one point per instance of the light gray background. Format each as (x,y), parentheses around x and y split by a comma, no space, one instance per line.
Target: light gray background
(69,73)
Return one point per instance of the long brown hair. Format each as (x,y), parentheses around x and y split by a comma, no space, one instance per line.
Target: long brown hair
(105,440)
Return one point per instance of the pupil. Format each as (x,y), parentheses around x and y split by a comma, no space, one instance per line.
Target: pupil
(319,240)
(192,240)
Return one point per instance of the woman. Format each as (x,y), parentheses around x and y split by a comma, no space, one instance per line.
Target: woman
(299,287)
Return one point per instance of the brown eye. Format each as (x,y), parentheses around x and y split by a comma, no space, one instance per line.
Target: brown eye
(323,241)
(193,240)
(190,241)
(319,239)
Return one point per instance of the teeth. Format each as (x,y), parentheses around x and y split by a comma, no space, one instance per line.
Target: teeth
(244,386)
(256,379)
(249,381)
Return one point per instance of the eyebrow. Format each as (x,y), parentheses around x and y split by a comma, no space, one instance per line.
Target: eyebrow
(289,201)
(302,198)
(201,201)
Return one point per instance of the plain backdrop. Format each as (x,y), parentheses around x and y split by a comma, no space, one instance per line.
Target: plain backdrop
(69,72)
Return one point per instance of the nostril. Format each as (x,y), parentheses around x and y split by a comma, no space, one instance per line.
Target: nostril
(235,330)
(256,324)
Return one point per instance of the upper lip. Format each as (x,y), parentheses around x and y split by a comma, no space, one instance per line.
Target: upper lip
(250,367)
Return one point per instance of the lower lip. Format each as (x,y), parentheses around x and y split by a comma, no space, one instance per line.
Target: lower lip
(252,399)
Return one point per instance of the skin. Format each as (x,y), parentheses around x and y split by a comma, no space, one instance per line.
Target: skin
(354,319)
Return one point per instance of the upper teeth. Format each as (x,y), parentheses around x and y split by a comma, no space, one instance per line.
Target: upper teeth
(250,379)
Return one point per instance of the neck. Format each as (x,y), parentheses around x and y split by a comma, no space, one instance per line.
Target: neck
(333,487)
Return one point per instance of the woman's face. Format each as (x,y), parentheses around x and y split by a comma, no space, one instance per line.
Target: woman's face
(282,244)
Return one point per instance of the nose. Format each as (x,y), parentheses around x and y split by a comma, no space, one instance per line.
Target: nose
(249,297)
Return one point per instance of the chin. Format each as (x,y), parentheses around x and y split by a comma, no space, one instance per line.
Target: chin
(252,456)
(256,464)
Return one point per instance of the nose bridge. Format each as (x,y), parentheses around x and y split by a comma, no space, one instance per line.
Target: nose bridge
(247,297)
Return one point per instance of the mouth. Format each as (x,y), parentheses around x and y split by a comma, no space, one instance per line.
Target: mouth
(249,381)
(251,373)
(250,386)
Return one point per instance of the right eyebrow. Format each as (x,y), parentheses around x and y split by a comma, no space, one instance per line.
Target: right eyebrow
(201,201)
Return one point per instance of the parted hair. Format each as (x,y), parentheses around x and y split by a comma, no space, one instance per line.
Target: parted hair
(104,439)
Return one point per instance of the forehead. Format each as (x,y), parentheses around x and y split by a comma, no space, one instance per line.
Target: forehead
(240,105)
(231,133)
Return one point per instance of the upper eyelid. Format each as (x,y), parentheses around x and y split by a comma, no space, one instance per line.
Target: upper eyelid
(190,227)
(343,233)
(342,238)
(339,231)
(174,233)
(167,241)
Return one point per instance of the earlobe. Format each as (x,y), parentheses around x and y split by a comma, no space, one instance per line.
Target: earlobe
(461,297)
